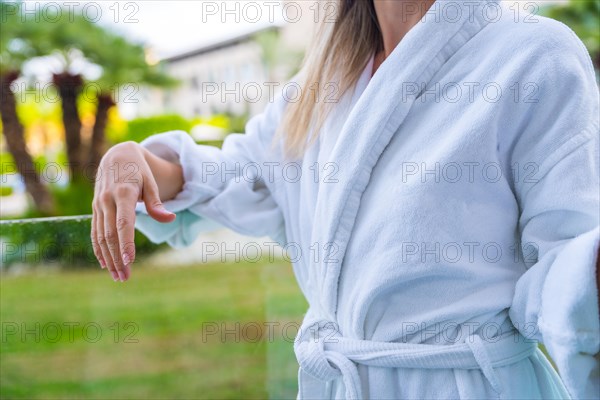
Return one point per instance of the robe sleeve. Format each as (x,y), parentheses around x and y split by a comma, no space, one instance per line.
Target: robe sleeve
(556,299)
(229,187)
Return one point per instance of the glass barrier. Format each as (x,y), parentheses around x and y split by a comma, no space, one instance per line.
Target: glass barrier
(212,330)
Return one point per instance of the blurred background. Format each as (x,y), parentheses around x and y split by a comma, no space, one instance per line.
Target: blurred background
(79,77)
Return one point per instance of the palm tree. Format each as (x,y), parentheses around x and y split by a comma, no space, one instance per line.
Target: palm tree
(69,38)
(13,53)
(79,41)
(76,43)
(129,68)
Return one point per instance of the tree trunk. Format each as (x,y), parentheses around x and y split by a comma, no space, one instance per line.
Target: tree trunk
(15,140)
(97,145)
(68,88)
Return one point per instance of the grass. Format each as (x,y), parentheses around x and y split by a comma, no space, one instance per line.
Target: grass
(198,332)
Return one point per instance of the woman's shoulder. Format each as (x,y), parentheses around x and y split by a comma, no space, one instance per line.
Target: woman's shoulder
(536,41)
(557,102)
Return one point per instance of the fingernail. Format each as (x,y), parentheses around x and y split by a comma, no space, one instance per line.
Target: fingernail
(114,275)
(121,276)
(164,210)
(102,264)
(126,259)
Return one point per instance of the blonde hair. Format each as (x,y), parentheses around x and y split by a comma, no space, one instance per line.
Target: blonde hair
(340,52)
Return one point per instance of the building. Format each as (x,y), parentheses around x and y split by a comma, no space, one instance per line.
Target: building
(232,76)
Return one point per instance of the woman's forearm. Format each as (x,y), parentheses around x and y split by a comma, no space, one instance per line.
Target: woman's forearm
(168,175)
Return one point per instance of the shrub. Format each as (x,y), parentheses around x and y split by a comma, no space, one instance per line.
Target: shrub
(61,241)
(140,128)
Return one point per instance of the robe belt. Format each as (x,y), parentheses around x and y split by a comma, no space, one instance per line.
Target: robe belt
(325,355)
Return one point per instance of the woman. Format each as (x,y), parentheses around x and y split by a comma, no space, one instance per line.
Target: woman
(445,206)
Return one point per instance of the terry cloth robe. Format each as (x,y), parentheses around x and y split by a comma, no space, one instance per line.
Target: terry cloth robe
(445,222)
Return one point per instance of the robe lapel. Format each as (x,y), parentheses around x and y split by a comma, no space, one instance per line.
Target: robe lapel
(374,120)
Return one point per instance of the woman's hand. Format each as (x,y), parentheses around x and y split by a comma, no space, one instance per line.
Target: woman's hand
(127,174)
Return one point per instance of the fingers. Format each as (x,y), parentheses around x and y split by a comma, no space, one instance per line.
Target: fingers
(113,230)
(94,239)
(102,243)
(153,204)
(125,224)
(112,241)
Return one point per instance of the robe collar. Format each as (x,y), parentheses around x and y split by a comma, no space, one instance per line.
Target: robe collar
(371,124)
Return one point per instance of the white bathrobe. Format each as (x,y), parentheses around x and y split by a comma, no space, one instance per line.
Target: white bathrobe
(445,221)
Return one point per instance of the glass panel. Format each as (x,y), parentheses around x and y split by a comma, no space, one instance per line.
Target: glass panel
(214,330)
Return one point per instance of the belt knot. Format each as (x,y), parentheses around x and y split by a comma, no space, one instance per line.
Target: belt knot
(325,365)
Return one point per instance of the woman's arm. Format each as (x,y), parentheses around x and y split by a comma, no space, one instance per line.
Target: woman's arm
(556,299)
(206,187)
(168,175)
(237,186)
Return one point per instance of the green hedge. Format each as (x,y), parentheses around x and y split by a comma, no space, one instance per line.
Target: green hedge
(141,128)
(64,242)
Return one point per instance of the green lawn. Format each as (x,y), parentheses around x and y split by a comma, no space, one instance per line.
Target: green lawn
(207,331)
